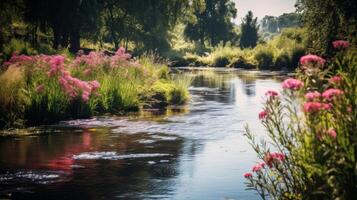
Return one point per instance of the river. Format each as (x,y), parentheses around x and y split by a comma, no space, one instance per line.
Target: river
(193,152)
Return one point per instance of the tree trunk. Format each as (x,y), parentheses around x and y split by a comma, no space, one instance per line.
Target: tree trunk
(74,41)
(56,37)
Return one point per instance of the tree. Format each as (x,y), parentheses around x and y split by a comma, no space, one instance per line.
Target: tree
(211,21)
(143,22)
(287,20)
(328,20)
(66,18)
(249,31)
(11,10)
(270,24)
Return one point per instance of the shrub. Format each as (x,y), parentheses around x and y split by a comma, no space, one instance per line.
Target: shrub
(282,61)
(242,62)
(220,62)
(310,149)
(296,53)
(264,56)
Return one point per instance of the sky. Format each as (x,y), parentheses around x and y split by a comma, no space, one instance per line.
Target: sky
(260,8)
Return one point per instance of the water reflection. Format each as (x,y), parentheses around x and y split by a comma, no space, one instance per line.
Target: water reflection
(192,152)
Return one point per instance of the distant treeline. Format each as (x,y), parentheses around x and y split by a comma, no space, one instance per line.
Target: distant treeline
(147,25)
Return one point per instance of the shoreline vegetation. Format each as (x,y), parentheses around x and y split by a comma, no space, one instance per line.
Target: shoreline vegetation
(44,89)
(310,149)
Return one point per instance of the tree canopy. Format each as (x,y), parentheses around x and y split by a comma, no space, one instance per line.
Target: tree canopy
(211,20)
(328,20)
(249,31)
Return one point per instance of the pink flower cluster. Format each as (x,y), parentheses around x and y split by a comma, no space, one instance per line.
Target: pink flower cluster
(248,175)
(311,96)
(92,60)
(16,59)
(119,57)
(331,93)
(262,115)
(271,93)
(312,59)
(74,86)
(336,80)
(332,133)
(56,64)
(271,158)
(258,167)
(314,107)
(292,84)
(340,44)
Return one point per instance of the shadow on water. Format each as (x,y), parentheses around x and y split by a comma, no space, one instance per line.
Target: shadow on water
(193,152)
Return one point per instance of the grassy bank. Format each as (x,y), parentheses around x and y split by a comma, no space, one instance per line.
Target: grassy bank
(47,88)
(281,52)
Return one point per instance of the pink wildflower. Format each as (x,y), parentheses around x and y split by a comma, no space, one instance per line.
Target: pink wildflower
(310,96)
(256,168)
(40,88)
(292,84)
(94,84)
(313,107)
(262,115)
(271,158)
(271,93)
(85,96)
(340,44)
(332,133)
(57,61)
(331,93)
(335,80)
(87,72)
(262,164)
(248,175)
(312,59)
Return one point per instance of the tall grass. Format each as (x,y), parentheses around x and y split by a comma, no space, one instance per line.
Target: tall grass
(45,89)
(281,52)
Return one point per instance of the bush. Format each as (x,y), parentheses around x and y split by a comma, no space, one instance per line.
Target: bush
(242,62)
(18,47)
(264,56)
(311,128)
(296,53)
(220,62)
(282,61)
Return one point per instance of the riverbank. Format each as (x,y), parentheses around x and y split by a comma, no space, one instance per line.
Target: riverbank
(282,52)
(43,89)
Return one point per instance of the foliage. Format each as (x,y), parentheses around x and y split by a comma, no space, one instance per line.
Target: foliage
(270,24)
(310,150)
(281,52)
(211,21)
(264,56)
(249,31)
(327,21)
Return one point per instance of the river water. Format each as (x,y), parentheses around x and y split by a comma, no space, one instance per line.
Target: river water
(193,152)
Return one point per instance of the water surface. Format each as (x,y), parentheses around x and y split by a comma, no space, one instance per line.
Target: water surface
(192,152)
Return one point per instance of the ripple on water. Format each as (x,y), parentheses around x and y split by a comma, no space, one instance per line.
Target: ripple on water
(40,177)
(111,155)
